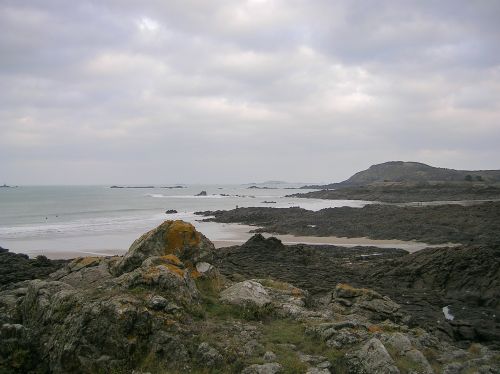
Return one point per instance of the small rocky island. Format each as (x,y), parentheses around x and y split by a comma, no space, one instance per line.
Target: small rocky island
(173,303)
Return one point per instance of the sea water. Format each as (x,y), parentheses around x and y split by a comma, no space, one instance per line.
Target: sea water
(40,219)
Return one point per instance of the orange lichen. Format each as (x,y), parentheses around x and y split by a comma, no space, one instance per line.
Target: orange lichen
(178,235)
(176,270)
(347,287)
(151,272)
(173,259)
(195,274)
(374,329)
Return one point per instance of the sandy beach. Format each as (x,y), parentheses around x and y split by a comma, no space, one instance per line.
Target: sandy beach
(222,235)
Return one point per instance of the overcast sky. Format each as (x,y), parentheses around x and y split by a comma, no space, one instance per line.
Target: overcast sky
(99,92)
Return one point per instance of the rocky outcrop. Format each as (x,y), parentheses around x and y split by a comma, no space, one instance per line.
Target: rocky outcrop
(174,313)
(465,279)
(177,238)
(16,267)
(440,224)
(362,301)
(105,314)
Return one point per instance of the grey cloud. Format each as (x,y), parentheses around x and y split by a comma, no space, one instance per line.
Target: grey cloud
(244,90)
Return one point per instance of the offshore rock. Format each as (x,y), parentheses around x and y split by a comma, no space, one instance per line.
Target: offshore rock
(176,238)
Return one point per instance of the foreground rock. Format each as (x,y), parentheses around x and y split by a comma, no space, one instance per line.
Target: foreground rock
(164,307)
(176,238)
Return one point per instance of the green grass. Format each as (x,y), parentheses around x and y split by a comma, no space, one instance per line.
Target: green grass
(277,332)
(215,309)
(209,287)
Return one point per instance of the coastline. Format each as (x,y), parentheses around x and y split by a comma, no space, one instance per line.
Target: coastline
(232,234)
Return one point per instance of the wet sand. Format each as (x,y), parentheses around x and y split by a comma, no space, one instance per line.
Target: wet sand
(222,235)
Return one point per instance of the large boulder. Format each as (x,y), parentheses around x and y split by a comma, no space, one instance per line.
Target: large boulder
(372,358)
(347,299)
(176,238)
(247,293)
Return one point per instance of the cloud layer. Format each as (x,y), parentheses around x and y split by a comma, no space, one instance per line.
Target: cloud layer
(231,91)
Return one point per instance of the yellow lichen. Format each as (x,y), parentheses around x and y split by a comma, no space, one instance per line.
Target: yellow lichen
(179,234)
(347,287)
(173,259)
(81,262)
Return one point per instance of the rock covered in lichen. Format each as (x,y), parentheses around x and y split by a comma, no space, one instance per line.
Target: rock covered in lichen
(166,275)
(177,238)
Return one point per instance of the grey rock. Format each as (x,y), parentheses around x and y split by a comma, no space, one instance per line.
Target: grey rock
(269,368)
(246,293)
(157,302)
(346,337)
(252,347)
(324,365)
(311,359)
(203,267)
(420,361)
(160,303)
(208,355)
(269,356)
(373,358)
(453,368)
(399,342)
(318,371)
(366,302)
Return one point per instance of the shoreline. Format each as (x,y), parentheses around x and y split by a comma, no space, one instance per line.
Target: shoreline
(410,247)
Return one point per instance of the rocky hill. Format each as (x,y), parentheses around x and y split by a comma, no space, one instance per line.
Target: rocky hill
(165,307)
(404,193)
(412,172)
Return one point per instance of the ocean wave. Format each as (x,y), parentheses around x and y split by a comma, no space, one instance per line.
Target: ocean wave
(161,196)
(101,225)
